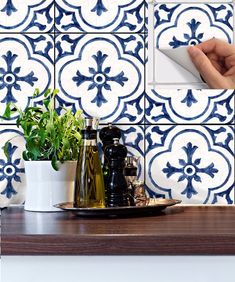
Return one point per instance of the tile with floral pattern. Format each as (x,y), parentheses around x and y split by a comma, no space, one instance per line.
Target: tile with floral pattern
(192,163)
(26,16)
(189,106)
(180,25)
(103,75)
(26,63)
(12,173)
(100,16)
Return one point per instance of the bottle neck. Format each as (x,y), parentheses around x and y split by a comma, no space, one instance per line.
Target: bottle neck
(89,142)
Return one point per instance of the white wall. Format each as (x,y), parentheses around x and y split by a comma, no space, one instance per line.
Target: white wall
(118,268)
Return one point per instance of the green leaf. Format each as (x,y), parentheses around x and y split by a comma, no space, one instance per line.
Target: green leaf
(25,156)
(36,93)
(7,113)
(5,149)
(47,92)
(48,136)
(54,163)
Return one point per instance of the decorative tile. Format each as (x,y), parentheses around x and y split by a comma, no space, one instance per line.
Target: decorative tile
(189,106)
(99,16)
(26,16)
(178,25)
(26,63)
(189,24)
(12,174)
(102,75)
(194,164)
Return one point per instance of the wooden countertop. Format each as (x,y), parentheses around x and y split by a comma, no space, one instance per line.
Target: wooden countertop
(177,231)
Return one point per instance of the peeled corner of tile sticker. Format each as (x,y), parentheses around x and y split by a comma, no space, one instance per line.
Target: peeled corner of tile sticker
(180,56)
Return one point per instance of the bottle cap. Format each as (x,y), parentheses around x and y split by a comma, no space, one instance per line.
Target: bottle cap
(91,123)
(90,130)
(108,133)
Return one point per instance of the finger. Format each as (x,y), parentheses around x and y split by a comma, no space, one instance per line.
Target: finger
(210,74)
(217,46)
(230,61)
(216,62)
(230,72)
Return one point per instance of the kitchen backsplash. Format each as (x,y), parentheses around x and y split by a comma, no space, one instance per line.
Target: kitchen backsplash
(102,55)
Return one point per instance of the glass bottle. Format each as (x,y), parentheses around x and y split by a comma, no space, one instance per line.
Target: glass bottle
(130,172)
(89,183)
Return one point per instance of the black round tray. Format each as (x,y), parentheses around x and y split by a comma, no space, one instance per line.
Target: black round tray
(152,206)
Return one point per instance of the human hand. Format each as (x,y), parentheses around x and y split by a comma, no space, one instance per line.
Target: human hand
(215,61)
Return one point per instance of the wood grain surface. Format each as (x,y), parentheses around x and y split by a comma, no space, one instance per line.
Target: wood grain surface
(177,231)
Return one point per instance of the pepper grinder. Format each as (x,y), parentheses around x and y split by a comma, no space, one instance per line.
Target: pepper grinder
(107,134)
(116,186)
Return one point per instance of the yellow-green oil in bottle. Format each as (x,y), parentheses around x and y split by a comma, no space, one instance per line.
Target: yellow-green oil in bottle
(89,182)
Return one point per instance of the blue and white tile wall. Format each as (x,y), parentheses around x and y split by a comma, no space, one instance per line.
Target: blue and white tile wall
(101,55)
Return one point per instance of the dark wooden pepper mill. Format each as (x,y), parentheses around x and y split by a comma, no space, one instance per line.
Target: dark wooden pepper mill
(107,134)
(116,186)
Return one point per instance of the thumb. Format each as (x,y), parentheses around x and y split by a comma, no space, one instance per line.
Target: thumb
(210,74)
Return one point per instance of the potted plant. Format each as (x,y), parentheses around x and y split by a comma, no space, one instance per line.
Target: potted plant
(51,150)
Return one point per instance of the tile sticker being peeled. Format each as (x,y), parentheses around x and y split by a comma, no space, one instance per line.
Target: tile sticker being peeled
(179,25)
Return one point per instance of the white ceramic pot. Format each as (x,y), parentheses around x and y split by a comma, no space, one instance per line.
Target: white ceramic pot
(47,187)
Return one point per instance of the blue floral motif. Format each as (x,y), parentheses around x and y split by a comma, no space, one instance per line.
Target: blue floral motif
(127,110)
(190,39)
(10,78)
(99,8)
(226,143)
(190,170)
(168,11)
(27,17)
(225,194)
(62,14)
(160,132)
(72,42)
(198,105)
(9,8)
(125,23)
(132,45)
(220,16)
(100,78)
(113,79)
(189,99)
(229,110)
(190,24)
(122,17)
(136,137)
(42,39)
(153,104)
(9,171)
(35,22)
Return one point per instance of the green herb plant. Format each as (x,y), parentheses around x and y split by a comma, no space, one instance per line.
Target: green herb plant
(48,135)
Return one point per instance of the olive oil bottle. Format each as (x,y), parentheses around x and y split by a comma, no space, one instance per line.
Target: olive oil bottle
(89,183)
